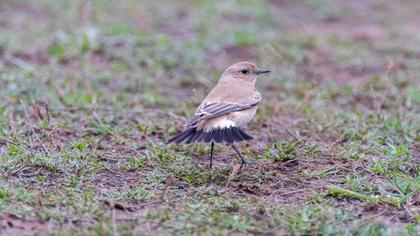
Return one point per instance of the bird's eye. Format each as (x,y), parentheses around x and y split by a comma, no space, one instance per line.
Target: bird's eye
(244,71)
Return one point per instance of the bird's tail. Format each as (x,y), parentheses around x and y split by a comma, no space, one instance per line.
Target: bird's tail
(228,135)
(186,134)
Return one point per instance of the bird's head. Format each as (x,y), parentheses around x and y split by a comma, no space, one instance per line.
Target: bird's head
(244,71)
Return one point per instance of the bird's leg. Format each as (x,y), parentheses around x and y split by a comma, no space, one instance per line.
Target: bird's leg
(211,155)
(243,161)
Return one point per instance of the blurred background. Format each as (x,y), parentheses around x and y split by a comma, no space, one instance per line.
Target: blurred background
(89,91)
(168,54)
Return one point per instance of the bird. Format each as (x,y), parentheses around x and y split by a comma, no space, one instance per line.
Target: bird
(229,106)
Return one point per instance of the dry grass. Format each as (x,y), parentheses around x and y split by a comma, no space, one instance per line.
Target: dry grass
(90,90)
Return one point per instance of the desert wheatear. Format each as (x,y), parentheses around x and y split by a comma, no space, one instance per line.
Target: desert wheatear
(229,106)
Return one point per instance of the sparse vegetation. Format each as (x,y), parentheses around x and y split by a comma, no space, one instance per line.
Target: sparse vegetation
(90,91)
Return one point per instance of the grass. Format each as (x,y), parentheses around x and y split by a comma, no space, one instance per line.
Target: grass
(91,90)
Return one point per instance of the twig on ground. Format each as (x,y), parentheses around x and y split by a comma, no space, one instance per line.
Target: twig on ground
(341,192)
(337,141)
(234,172)
(6,140)
(294,136)
(31,128)
(19,169)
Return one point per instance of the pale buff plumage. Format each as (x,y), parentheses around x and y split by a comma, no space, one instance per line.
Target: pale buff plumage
(230,105)
(239,93)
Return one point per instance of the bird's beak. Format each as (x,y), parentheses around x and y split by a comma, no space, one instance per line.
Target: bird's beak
(258,72)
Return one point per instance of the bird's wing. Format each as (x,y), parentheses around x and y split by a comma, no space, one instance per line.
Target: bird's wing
(210,110)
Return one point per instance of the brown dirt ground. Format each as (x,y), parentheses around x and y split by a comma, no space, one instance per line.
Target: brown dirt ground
(289,186)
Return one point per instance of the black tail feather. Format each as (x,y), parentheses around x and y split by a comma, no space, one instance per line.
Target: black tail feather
(192,137)
(196,136)
(237,135)
(201,136)
(209,136)
(245,135)
(228,135)
(181,136)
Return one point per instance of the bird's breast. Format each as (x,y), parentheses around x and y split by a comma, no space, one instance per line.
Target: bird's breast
(241,118)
